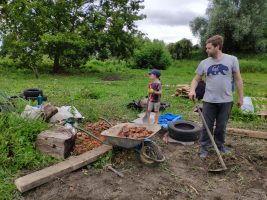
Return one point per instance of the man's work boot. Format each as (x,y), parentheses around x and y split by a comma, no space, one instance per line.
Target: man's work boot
(203,153)
(224,150)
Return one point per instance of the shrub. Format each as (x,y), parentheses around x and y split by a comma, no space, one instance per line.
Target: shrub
(151,55)
(95,65)
(181,49)
(6,62)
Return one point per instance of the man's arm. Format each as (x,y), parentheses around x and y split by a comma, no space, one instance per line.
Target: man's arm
(194,83)
(239,85)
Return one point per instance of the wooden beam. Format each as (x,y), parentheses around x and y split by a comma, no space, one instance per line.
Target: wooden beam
(247,133)
(40,177)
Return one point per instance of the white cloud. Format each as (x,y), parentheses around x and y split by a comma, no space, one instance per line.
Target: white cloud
(171,18)
(168,20)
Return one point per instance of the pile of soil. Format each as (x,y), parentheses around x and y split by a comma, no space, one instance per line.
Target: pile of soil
(112,78)
(134,132)
(84,142)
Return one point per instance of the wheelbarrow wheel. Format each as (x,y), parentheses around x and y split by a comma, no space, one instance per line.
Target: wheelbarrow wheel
(151,153)
(145,160)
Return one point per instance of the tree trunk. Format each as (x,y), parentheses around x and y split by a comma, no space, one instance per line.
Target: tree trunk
(56,66)
(35,71)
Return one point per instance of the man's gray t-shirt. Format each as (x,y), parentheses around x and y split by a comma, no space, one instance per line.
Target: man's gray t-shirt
(219,77)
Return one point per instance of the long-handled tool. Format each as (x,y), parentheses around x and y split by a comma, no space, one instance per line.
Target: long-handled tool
(109,166)
(71,121)
(146,119)
(90,134)
(213,143)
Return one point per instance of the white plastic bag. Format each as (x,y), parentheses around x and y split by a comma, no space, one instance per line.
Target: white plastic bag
(32,112)
(65,112)
(247,105)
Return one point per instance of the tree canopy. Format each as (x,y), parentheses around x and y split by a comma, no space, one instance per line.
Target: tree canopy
(68,31)
(243,24)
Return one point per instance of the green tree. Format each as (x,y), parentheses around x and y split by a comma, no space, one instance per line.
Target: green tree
(68,31)
(121,29)
(181,49)
(241,22)
(152,55)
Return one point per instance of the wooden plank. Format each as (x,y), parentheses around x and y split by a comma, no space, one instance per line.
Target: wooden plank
(262,114)
(40,177)
(247,133)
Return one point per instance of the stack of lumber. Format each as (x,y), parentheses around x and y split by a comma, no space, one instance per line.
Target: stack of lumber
(182,90)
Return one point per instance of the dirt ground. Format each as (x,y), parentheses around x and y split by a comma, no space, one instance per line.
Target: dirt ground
(183,176)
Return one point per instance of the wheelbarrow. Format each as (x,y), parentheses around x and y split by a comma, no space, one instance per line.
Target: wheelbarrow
(111,135)
(149,152)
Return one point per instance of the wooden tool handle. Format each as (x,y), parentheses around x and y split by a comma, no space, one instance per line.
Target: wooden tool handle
(211,138)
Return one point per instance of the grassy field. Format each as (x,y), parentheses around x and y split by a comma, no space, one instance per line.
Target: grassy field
(95,97)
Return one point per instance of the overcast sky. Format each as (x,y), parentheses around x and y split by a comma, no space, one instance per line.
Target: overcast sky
(168,20)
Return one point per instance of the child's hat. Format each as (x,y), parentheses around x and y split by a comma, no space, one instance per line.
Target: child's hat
(155,72)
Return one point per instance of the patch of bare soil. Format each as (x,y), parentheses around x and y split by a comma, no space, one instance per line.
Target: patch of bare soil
(183,176)
(113,77)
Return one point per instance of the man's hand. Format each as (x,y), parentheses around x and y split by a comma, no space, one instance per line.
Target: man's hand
(192,95)
(239,103)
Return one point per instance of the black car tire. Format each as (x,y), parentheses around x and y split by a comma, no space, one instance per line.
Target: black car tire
(33,92)
(184,131)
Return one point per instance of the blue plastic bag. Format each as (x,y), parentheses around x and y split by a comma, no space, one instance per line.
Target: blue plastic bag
(164,120)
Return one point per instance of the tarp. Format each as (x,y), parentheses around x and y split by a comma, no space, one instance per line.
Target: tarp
(164,120)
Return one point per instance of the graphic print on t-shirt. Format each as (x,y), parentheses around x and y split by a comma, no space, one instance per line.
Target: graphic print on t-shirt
(217,69)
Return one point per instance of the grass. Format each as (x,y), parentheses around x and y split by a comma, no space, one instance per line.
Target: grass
(94,98)
(17,150)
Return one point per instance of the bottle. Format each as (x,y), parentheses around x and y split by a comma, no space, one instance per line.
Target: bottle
(40,100)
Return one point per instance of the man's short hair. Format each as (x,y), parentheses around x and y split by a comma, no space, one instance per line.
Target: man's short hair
(216,40)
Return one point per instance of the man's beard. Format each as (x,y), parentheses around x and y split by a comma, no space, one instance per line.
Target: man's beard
(212,55)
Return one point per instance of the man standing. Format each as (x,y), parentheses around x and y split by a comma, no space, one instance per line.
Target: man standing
(220,70)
